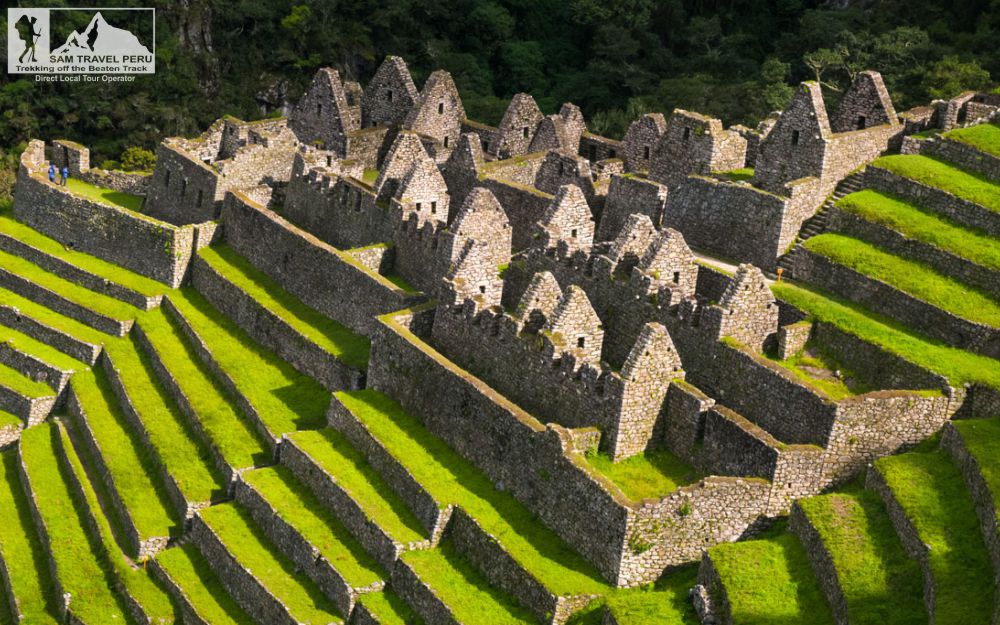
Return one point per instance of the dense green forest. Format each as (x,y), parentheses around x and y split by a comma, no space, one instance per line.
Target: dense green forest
(735,59)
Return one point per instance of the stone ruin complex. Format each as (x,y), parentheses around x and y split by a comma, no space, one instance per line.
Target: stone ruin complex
(536,294)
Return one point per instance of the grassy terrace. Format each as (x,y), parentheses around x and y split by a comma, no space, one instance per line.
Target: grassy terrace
(40,350)
(347,346)
(298,506)
(22,384)
(958,365)
(917,279)
(110,271)
(665,604)
(104,195)
(22,550)
(154,600)
(982,440)
(7,420)
(285,399)
(229,431)
(926,226)
(79,562)
(53,319)
(744,174)
(339,458)
(881,584)
(174,442)
(304,600)
(191,572)
(939,174)
(84,297)
(934,498)
(469,596)
(646,476)
(770,582)
(449,478)
(388,608)
(815,365)
(133,472)
(983,137)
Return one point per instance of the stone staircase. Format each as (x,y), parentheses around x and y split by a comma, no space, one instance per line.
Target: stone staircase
(817,224)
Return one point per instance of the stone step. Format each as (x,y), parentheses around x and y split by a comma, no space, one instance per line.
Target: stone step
(129,477)
(295,520)
(198,591)
(936,522)
(88,307)
(274,396)
(442,587)
(971,445)
(190,479)
(82,574)
(209,410)
(36,359)
(263,582)
(63,334)
(312,343)
(354,492)
(65,266)
(858,560)
(29,400)
(493,530)
(22,555)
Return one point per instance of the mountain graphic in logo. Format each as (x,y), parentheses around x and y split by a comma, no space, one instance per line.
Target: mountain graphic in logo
(102,38)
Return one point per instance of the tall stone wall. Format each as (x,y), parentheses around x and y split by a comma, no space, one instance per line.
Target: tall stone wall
(178,181)
(149,247)
(323,277)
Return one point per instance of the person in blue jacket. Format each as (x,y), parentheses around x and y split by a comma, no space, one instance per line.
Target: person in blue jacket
(65,175)
(52,173)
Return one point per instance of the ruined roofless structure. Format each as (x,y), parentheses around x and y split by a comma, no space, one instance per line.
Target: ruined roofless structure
(376,362)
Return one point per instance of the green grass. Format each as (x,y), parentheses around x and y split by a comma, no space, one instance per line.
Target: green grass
(958,365)
(881,584)
(745,173)
(349,347)
(370,176)
(983,137)
(140,586)
(335,454)
(40,350)
(285,399)
(814,357)
(22,550)
(926,226)
(53,319)
(300,508)
(191,572)
(175,443)
(238,442)
(388,608)
(665,603)
(84,297)
(972,187)
(916,279)
(469,596)
(450,479)
(76,559)
(933,496)
(104,195)
(22,384)
(646,476)
(770,582)
(401,282)
(8,420)
(110,271)
(133,472)
(982,440)
(304,600)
